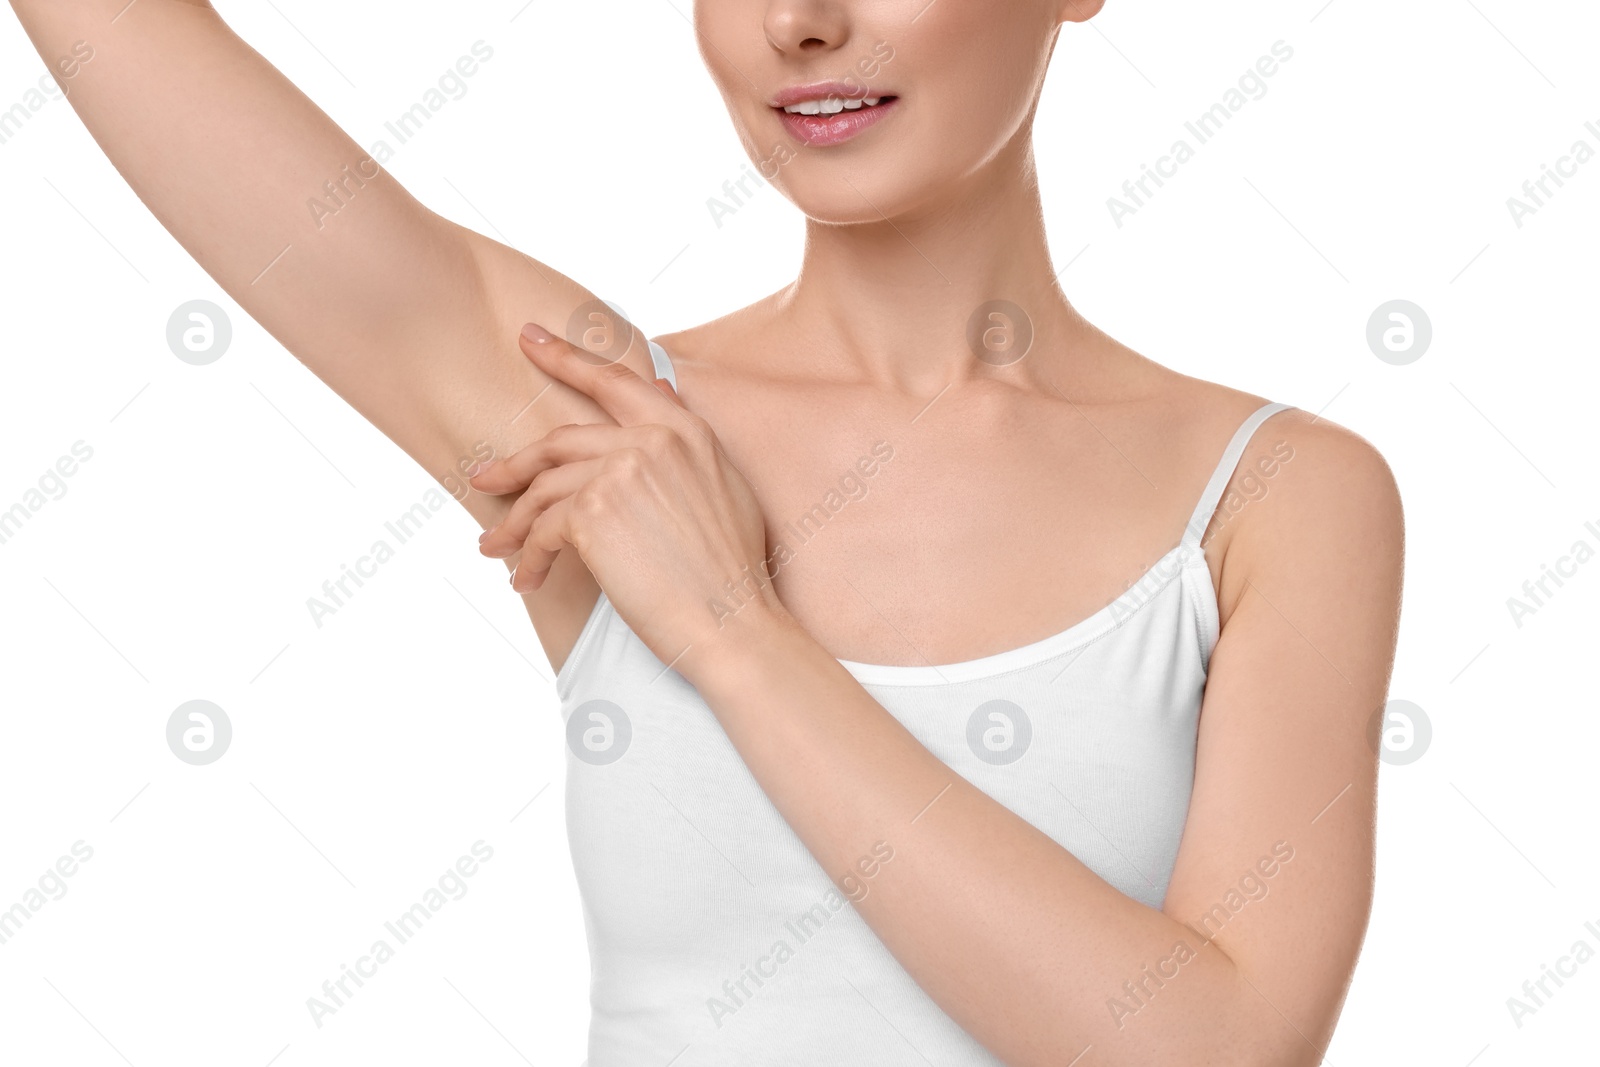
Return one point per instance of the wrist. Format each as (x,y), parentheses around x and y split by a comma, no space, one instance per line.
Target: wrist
(733,653)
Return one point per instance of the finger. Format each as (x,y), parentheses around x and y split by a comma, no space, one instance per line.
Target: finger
(564,444)
(510,536)
(609,382)
(551,532)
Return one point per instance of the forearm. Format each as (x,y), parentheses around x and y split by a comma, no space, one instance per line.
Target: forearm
(229,156)
(1007,931)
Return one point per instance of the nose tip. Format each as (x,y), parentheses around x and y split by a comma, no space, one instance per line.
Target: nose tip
(805,26)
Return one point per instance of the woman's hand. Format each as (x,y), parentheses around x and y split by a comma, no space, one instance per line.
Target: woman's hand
(665,523)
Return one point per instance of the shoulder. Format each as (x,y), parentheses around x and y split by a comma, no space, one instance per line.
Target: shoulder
(1308,501)
(1311,503)
(721,339)
(1330,476)
(1318,471)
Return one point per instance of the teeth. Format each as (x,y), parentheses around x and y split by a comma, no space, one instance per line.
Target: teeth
(832,105)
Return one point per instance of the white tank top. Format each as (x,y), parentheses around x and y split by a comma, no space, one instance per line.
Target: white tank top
(716,938)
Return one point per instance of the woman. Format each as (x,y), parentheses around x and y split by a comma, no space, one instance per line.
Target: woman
(889,741)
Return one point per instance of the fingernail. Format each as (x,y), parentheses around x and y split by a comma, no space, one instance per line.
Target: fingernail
(513,579)
(536,333)
(477,469)
(485,535)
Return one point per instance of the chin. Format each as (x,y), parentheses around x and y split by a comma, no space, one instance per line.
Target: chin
(886,173)
(851,196)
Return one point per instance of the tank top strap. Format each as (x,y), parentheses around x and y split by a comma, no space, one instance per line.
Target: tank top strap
(658,355)
(1220,477)
(663,364)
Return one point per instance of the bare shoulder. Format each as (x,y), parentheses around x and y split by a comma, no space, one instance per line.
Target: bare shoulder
(723,338)
(1332,479)
(1311,502)
(1309,499)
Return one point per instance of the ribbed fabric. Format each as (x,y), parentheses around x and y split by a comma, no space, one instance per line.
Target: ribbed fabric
(716,939)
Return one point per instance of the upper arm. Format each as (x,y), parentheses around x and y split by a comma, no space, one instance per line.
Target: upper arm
(410,318)
(1310,597)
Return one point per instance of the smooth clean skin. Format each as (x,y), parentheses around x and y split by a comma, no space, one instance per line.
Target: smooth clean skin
(1021,498)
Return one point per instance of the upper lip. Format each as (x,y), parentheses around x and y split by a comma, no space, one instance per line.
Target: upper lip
(799,94)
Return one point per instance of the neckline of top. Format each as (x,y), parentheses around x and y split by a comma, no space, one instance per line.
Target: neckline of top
(1085,631)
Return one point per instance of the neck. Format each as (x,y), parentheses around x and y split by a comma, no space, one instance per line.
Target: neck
(892,302)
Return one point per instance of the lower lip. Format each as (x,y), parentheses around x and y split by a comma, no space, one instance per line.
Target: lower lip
(823,130)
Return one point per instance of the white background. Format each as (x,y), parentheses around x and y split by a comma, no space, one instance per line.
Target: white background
(370,753)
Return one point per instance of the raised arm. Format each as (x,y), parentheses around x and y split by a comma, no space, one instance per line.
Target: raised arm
(409,317)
